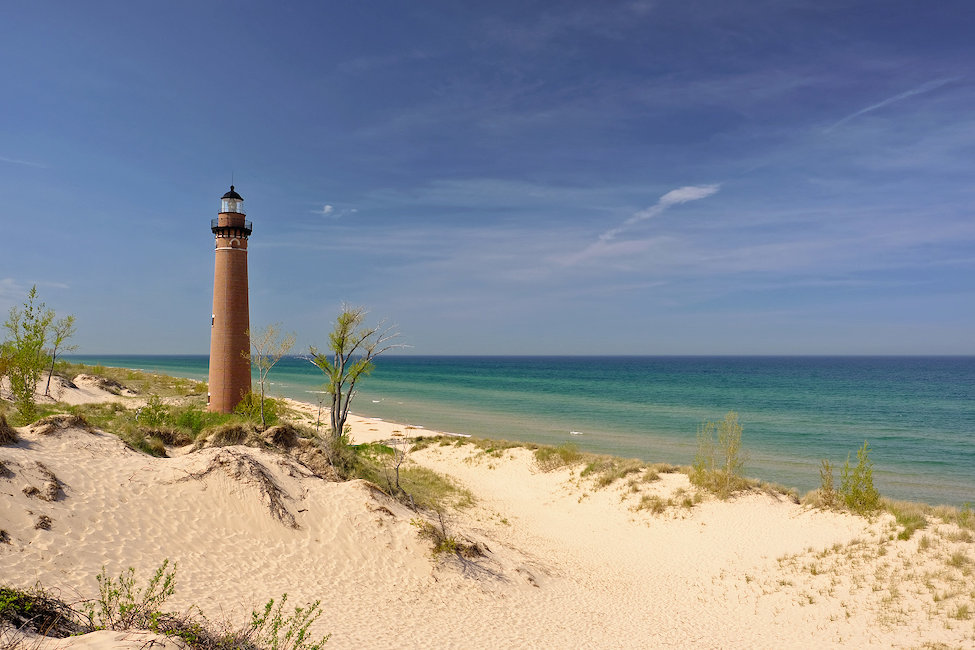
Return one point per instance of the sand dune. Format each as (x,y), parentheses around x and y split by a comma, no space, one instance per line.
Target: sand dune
(567,565)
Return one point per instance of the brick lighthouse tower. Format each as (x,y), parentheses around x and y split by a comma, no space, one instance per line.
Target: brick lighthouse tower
(230,372)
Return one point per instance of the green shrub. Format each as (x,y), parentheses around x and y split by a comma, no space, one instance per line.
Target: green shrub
(827,493)
(153,414)
(859,493)
(123,606)
(250,408)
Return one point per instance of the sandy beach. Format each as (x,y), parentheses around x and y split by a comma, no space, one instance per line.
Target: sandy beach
(564,562)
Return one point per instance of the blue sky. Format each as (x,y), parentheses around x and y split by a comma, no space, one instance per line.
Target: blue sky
(663,177)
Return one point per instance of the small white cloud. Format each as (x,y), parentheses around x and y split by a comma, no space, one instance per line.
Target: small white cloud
(688,193)
(332,212)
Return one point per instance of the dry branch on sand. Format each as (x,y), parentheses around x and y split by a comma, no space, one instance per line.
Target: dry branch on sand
(242,467)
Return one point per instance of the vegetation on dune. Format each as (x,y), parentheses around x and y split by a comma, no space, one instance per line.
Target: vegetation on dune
(143,383)
(121,605)
(384,465)
(719,461)
(25,354)
(352,349)
(268,346)
(857,492)
(857,487)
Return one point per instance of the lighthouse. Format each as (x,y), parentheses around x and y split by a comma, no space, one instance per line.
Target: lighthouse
(230,369)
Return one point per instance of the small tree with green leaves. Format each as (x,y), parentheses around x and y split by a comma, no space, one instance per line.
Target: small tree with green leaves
(719,461)
(352,348)
(27,329)
(268,348)
(859,493)
(61,331)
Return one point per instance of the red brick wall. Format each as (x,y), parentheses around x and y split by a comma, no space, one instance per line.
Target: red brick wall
(230,372)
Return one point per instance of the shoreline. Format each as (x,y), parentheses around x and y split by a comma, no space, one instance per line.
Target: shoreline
(796,472)
(563,559)
(654,409)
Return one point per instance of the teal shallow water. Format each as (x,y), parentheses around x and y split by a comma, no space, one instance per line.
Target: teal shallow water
(917,413)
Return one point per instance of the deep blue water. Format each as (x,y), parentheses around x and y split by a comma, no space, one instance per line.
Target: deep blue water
(917,413)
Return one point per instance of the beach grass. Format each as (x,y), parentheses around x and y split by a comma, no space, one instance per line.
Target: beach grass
(144,383)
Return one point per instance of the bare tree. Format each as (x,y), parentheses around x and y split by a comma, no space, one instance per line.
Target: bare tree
(61,331)
(269,347)
(352,346)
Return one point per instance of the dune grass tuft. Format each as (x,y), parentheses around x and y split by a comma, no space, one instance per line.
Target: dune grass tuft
(552,458)
(8,435)
(606,470)
(912,516)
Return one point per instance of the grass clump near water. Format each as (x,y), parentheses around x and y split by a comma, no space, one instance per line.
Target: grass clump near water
(857,492)
(551,458)
(719,462)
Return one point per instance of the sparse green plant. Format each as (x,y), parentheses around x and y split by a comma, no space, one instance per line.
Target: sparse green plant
(606,470)
(909,515)
(958,560)
(277,631)
(123,606)
(24,351)
(400,448)
(859,493)
(268,348)
(653,503)
(719,461)
(442,541)
(827,493)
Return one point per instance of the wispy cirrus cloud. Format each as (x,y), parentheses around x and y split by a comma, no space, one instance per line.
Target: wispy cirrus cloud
(606,246)
(25,163)
(920,90)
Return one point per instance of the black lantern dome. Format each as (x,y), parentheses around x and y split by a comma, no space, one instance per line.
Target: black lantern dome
(232,202)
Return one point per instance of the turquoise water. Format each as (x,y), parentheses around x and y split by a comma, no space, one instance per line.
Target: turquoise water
(918,413)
